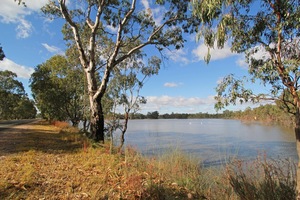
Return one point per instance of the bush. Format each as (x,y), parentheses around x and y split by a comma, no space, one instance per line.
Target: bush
(60,124)
(263,179)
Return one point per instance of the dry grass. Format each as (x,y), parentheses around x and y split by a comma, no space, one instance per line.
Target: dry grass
(263,179)
(63,165)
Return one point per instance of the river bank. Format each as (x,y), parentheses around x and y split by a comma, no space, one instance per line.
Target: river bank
(55,162)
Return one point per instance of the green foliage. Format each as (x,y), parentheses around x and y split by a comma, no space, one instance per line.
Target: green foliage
(231,90)
(110,34)
(267,114)
(125,13)
(14,103)
(58,89)
(153,115)
(267,31)
(286,102)
(9,84)
(124,89)
(25,109)
(128,80)
(172,115)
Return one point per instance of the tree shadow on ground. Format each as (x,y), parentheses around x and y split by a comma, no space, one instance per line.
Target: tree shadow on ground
(157,192)
(37,137)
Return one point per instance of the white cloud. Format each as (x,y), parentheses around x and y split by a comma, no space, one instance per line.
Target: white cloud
(11,12)
(178,101)
(158,15)
(216,54)
(172,84)
(220,80)
(168,104)
(241,61)
(145,4)
(157,12)
(261,53)
(53,49)
(112,29)
(178,56)
(20,70)
(24,29)
(35,5)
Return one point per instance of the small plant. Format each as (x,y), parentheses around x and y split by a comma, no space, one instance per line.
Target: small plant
(61,124)
(263,179)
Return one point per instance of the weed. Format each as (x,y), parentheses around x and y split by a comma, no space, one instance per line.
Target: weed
(263,179)
(60,124)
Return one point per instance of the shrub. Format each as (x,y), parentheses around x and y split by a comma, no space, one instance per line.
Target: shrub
(60,124)
(263,179)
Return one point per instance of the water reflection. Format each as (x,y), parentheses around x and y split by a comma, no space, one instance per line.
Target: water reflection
(214,141)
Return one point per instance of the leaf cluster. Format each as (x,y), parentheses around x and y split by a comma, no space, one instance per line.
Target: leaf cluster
(266,31)
(58,89)
(232,90)
(121,23)
(14,102)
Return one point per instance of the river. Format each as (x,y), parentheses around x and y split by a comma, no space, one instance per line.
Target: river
(213,141)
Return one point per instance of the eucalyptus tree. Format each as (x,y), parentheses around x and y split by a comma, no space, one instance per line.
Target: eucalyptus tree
(58,90)
(107,32)
(267,32)
(11,90)
(73,60)
(13,98)
(24,109)
(129,78)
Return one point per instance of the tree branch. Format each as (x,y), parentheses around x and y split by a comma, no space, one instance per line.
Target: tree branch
(66,15)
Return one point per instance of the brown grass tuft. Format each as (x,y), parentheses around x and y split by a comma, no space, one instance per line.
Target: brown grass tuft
(61,124)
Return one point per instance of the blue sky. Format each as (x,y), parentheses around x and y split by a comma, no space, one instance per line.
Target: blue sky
(185,83)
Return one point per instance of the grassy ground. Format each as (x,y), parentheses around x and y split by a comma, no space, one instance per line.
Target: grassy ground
(41,161)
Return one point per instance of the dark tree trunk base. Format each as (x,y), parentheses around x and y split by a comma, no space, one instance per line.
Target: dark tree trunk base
(297,133)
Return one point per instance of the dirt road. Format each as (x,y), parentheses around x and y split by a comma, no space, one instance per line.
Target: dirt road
(35,135)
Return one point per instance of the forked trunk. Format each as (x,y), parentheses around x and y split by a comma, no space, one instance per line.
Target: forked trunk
(97,121)
(124,129)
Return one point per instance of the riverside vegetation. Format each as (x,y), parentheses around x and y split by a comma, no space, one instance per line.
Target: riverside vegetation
(269,114)
(56,162)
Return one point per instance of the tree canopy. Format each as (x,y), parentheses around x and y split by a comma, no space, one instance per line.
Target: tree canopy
(267,32)
(108,33)
(14,103)
(58,89)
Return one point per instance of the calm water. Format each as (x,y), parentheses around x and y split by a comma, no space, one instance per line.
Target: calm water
(213,141)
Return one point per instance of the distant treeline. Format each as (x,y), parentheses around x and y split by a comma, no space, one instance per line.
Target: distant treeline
(156,115)
(267,114)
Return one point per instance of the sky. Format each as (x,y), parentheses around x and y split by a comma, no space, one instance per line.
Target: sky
(185,83)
